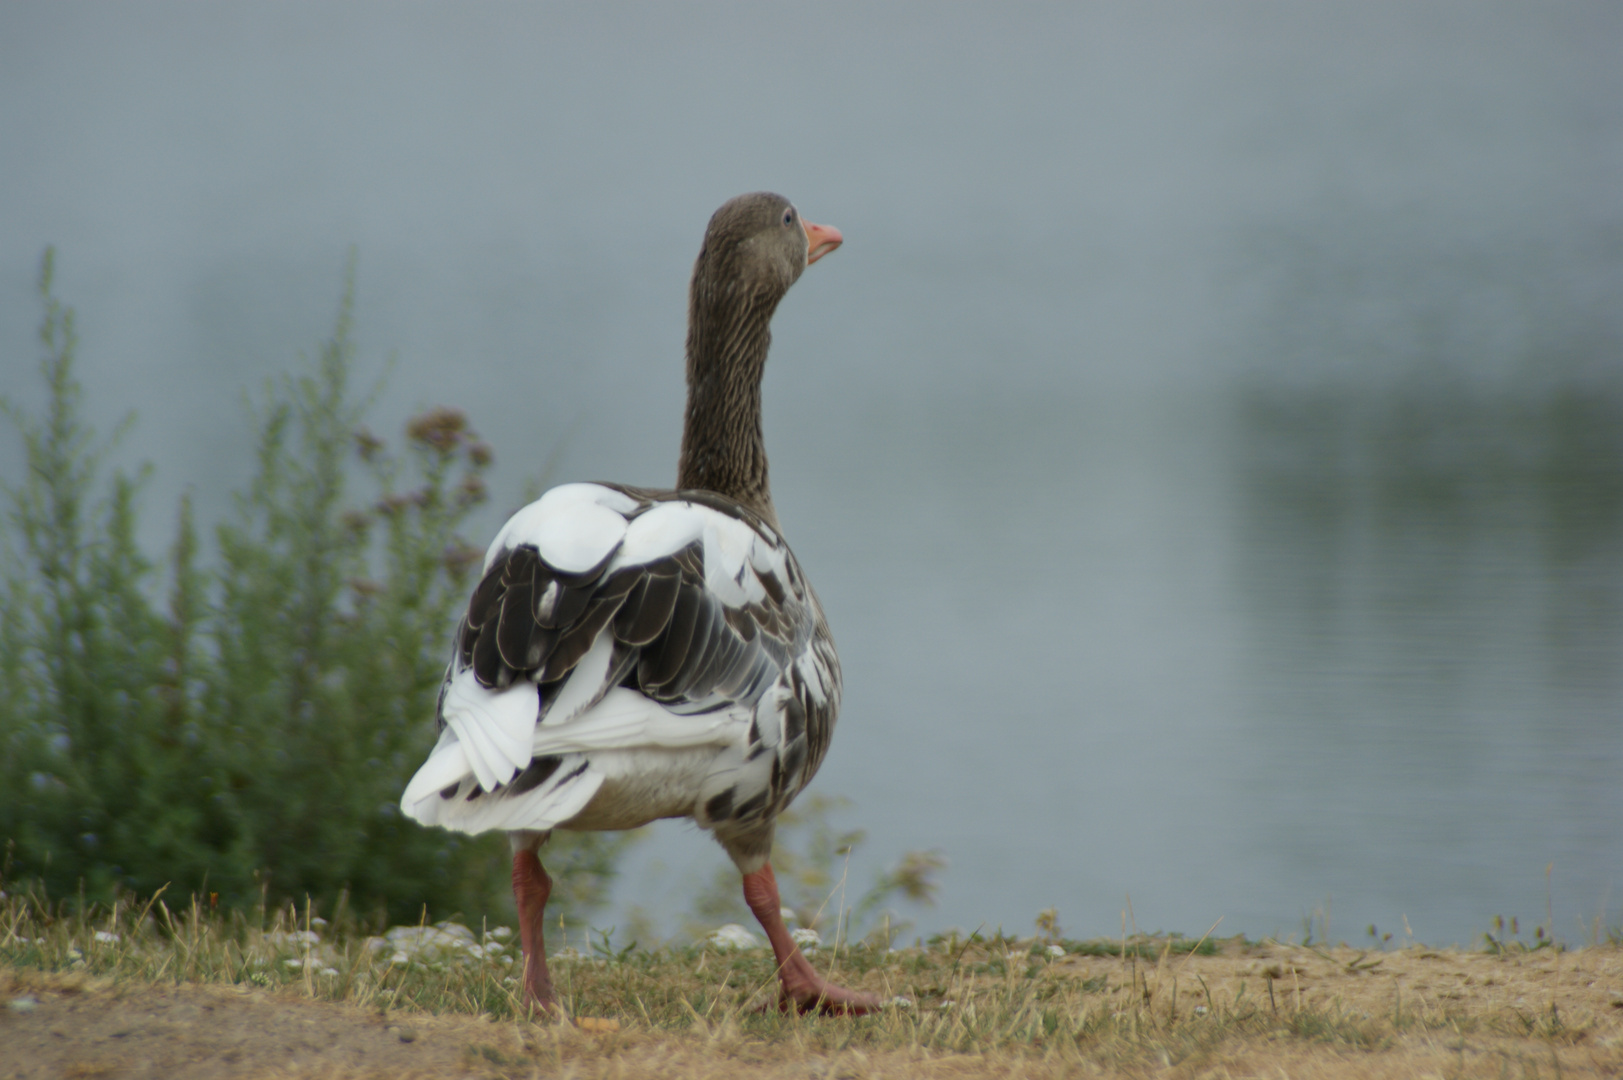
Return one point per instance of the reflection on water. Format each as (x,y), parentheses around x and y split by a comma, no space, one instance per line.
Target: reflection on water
(1432,596)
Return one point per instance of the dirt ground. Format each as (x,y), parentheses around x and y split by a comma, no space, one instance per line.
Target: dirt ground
(1544,1014)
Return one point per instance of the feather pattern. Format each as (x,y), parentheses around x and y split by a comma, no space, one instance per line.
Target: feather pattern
(627,655)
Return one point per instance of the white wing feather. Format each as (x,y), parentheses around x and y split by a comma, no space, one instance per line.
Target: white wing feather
(494,726)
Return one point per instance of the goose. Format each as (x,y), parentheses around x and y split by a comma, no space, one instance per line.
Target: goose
(632,654)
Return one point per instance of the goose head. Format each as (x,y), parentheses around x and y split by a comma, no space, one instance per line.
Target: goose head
(756,247)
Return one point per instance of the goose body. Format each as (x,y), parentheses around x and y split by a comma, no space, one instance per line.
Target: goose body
(632,654)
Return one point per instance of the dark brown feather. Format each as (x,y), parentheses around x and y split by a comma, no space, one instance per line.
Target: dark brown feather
(685,681)
(794,719)
(485,595)
(535,774)
(773,587)
(663,659)
(642,623)
(514,626)
(487,659)
(578,638)
(561,602)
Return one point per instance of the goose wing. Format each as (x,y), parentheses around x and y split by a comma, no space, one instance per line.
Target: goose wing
(611,618)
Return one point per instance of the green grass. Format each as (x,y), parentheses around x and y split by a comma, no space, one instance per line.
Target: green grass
(979,995)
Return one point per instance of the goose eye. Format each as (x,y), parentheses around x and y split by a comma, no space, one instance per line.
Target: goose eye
(789,216)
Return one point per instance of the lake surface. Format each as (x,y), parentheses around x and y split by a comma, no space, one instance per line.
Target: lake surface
(1208,445)
(1232,654)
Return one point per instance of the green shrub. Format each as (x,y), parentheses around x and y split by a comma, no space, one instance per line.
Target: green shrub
(249,736)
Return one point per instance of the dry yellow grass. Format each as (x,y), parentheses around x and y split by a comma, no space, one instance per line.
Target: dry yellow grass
(194,996)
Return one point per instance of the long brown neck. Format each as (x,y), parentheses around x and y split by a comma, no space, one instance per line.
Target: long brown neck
(722,447)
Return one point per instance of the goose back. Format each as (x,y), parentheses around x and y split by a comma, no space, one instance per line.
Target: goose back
(612,623)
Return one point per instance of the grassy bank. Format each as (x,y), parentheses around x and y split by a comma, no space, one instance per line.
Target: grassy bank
(446,997)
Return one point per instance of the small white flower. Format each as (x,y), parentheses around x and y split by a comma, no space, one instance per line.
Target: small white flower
(399,958)
(899,1003)
(945,1005)
(1200,1010)
(1056,951)
(806,937)
(501,933)
(296,965)
(330,973)
(733,936)
(105,938)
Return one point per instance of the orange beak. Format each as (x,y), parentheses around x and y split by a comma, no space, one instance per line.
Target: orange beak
(820,240)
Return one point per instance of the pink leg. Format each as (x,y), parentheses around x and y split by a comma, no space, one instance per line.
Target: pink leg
(531,887)
(803,988)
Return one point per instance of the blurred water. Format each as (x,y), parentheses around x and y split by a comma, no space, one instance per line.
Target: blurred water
(1247,654)
(1208,444)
